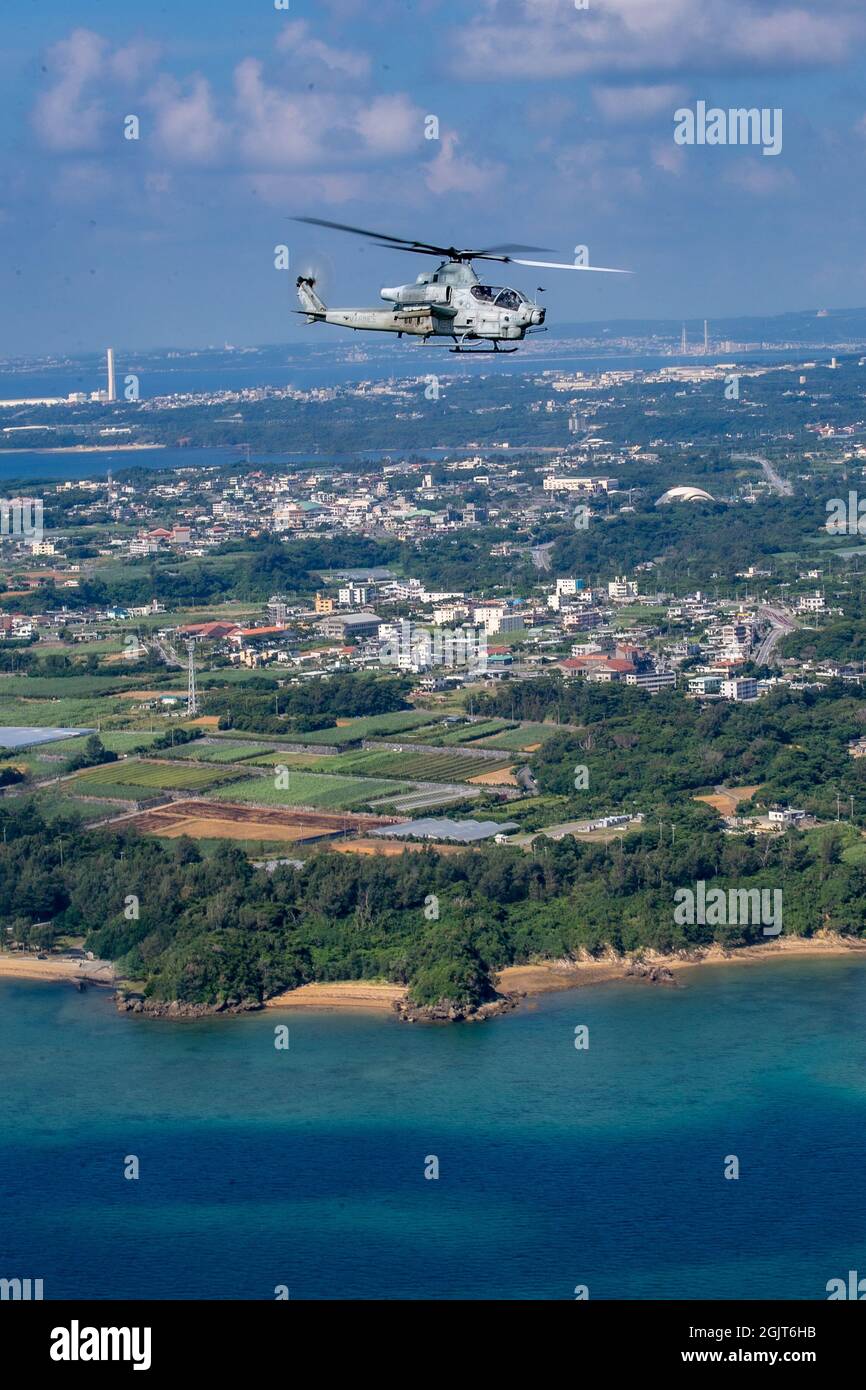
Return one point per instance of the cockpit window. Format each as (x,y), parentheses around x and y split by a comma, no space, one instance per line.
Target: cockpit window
(486,293)
(509,299)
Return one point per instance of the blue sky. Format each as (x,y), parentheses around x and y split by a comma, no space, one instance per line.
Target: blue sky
(555,128)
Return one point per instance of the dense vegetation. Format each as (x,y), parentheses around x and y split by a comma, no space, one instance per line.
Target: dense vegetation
(216,931)
(639,751)
(316,704)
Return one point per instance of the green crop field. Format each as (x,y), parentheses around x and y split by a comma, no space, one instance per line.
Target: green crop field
(54,807)
(121,791)
(418,767)
(323,791)
(216,752)
(370,726)
(468,733)
(115,740)
(102,714)
(136,773)
(525,736)
(63,687)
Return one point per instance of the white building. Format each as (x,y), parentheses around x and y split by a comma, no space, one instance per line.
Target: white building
(785,815)
(355,595)
(554,484)
(651,682)
(622,588)
(495,618)
(811,603)
(742,688)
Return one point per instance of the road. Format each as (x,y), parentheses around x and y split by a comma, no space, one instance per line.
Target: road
(778,484)
(781,623)
(167,653)
(541,556)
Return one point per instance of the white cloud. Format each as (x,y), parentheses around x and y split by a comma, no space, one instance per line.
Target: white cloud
(668,157)
(390,124)
(68,116)
(450,172)
(281,129)
(636,103)
(187,127)
(296,39)
(550,38)
(761,179)
(64,117)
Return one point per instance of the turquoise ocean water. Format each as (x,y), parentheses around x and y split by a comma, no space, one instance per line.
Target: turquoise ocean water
(557,1167)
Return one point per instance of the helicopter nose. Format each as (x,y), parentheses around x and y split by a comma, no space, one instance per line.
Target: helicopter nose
(537,316)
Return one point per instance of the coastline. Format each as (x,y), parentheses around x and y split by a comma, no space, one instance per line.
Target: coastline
(542,977)
(81,448)
(515,983)
(19,966)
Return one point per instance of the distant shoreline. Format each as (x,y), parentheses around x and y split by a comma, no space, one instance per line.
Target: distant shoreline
(80,448)
(519,982)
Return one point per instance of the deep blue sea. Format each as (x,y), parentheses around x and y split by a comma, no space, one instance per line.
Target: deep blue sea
(557,1167)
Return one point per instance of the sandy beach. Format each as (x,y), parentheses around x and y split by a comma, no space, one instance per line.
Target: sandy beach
(538,977)
(341,994)
(19,966)
(543,976)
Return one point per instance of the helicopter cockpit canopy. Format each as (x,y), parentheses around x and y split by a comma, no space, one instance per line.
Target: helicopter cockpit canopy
(503,298)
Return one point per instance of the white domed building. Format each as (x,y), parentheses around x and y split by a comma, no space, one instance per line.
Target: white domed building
(684,494)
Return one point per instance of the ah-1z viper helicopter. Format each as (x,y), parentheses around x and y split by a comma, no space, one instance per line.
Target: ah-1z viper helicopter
(448,302)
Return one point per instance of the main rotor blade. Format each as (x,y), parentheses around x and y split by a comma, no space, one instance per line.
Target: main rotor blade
(566,265)
(424,247)
(493,250)
(399,242)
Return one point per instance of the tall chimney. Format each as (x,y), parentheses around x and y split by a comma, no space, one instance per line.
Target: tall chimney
(112,389)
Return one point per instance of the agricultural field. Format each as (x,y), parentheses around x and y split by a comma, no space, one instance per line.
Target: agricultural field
(465,733)
(207,752)
(54,807)
(271,828)
(324,791)
(525,738)
(418,767)
(371,726)
(155,776)
(312,762)
(62,687)
(75,714)
(115,740)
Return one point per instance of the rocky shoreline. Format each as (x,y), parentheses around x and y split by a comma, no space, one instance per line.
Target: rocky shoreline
(129,1002)
(450,1011)
(513,984)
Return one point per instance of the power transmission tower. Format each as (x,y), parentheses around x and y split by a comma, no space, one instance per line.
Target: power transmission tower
(191,698)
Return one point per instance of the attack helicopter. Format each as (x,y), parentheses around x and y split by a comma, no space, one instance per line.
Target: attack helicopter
(448,302)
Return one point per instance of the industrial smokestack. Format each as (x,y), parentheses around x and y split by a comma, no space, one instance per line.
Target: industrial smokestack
(109,360)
